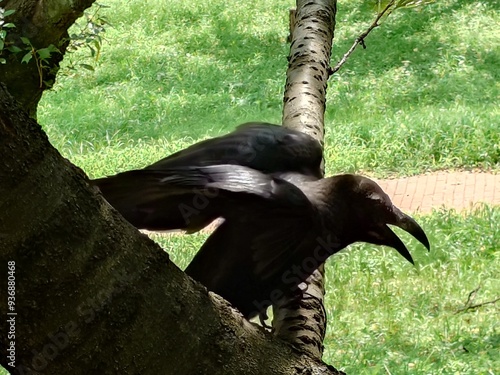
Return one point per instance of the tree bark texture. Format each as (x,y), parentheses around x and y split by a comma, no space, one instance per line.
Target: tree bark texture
(302,321)
(43,23)
(92,294)
(308,63)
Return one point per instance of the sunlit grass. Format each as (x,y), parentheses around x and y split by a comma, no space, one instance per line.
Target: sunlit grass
(422,96)
(388,317)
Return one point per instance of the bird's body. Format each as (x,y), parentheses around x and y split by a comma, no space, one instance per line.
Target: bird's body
(281,220)
(270,149)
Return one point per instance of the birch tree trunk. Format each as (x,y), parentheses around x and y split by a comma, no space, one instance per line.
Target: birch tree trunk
(302,321)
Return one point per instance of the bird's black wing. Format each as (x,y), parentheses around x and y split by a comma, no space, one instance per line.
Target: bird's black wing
(270,225)
(189,198)
(147,203)
(253,261)
(264,147)
(258,252)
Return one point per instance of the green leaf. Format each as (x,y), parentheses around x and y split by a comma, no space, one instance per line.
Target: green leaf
(2,44)
(43,53)
(14,49)
(9,25)
(9,12)
(88,67)
(26,58)
(3,61)
(53,48)
(25,40)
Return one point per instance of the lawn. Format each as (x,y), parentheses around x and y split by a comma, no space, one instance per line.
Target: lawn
(422,96)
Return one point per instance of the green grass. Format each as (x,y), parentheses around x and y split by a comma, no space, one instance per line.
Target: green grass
(423,96)
(386,316)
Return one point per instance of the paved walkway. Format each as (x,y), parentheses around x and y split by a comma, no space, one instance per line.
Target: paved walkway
(459,190)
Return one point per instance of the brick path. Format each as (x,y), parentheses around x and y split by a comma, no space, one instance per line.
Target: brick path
(459,190)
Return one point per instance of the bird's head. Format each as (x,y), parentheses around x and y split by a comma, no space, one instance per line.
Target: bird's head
(370,211)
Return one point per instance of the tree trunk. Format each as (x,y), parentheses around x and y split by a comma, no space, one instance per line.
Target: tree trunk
(44,23)
(89,294)
(302,321)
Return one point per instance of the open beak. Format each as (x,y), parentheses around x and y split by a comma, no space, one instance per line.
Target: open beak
(408,224)
(385,236)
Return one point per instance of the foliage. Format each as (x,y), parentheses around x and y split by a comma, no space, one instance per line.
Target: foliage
(87,32)
(4,26)
(41,56)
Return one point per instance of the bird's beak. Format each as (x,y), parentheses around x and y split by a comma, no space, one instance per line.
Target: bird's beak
(385,236)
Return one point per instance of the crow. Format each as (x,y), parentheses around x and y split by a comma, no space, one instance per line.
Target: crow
(281,221)
(268,148)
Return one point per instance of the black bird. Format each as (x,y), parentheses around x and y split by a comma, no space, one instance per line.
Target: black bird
(268,148)
(280,222)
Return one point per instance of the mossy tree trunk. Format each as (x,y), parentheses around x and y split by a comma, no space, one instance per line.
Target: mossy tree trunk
(95,296)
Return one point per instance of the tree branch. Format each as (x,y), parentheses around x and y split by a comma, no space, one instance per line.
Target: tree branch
(361,38)
(301,320)
(470,299)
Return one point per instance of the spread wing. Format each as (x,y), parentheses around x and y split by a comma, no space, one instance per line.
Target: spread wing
(270,225)
(264,147)
(189,198)
(254,260)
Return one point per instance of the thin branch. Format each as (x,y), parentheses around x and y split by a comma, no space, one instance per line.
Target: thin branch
(361,38)
(485,303)
(470,306)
